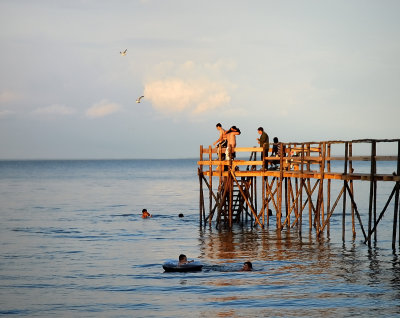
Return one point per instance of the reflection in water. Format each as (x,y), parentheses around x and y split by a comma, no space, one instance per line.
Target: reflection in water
(291,271)
(395,280)
(224,246)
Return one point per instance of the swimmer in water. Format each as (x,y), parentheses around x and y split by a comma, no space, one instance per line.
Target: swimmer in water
(247,267)
(146,214)
(183,260)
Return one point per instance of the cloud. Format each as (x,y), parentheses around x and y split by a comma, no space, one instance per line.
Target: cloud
(189,87)
(102,109)
(8,96)
(177,95)
(55,110)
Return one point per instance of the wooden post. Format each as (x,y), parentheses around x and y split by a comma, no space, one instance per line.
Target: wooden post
(287,198)
(375,196)
(398,183)
(290,198)
(371,188)
(268,193)
(287,195)
(279,212)
(210,178)
(353,223)
(309,189)
(221,166)
(254,196)
(396,202)
(253,190)
(230,182)
(346,158)
(201,199)
(296,207)
(263,188)
(320,198)
(301,188)
(322,180)
(328,202)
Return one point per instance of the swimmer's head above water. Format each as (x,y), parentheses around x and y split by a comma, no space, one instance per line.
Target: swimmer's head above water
(247,267)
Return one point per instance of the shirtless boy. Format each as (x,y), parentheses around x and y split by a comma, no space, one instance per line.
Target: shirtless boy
(221,141)
(231,137)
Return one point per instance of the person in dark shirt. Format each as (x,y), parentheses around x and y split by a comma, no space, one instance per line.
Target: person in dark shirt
(263,140)
(276,150)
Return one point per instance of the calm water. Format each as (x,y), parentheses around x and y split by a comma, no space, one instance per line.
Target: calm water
(73,244)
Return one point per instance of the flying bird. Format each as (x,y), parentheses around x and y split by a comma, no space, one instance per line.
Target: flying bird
(139,98)
(124,52)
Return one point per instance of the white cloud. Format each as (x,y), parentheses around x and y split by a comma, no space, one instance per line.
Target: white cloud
(190,87)
(175,95)
(102,109)
(55,110)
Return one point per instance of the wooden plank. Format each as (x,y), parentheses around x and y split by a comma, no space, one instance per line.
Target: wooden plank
(248,149)
(308,175)
(364,158)
(247,163)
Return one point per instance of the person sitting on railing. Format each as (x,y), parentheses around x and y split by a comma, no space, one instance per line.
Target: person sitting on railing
(276,151)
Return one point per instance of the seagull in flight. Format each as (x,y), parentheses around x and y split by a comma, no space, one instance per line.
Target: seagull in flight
(124,52)
(139,98)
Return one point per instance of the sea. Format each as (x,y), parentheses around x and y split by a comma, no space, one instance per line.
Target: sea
(73,244)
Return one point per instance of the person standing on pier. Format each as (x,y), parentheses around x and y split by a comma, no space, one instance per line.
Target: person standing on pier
(263,140)
(221,141)
(231,137)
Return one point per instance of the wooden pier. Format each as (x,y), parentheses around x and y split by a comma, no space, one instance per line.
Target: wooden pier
(298,191)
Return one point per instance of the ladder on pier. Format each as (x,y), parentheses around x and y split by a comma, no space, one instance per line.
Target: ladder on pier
(235,204)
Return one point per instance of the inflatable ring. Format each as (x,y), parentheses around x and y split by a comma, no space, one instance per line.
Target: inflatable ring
(172,266)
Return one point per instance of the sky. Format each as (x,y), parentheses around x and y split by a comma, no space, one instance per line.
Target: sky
(305,70)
